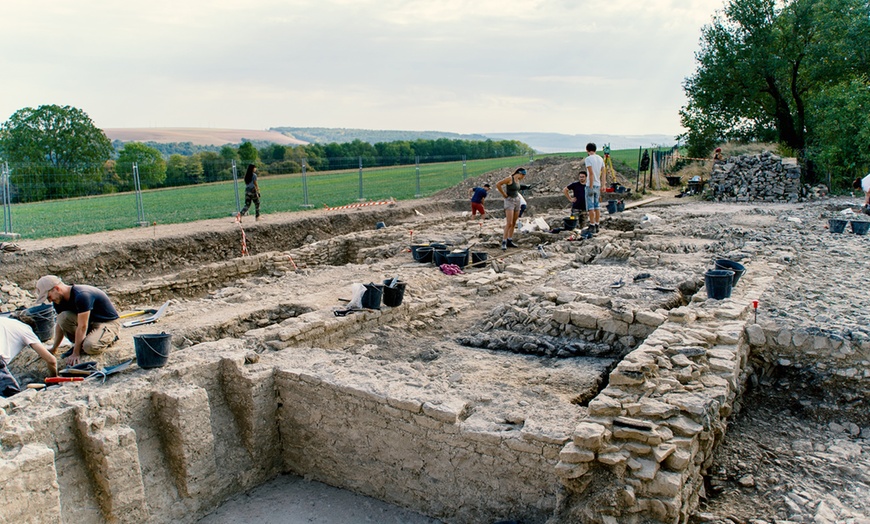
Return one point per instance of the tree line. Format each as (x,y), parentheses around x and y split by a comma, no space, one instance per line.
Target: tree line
(788,71)
(57,152)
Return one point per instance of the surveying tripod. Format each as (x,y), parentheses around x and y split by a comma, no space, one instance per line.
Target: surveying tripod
(609,173)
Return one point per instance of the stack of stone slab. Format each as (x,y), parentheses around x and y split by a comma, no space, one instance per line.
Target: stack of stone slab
(757,178)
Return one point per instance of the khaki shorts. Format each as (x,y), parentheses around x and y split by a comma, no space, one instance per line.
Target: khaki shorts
(100,334)
(513,203)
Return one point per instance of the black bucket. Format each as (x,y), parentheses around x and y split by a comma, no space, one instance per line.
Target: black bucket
(719,283)
(620,206)
(422,253)
(569,223)
(860,227)
(439,256)
(44,317)
(611,206)
(738,269)
(371,299)
(393,295)
(837,225)
(152,351)
(674,181)
(459,259)
(478,259)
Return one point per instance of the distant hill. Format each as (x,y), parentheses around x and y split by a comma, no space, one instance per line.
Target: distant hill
(559,143)
(541,142)
(328,135)
(198,135)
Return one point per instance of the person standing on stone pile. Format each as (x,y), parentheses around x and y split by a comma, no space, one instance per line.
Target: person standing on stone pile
(85,315)
(717,155)
(252,193)
(578,201)
(864,185)
(478,198)
(510,189)
(15,335)
(596,178)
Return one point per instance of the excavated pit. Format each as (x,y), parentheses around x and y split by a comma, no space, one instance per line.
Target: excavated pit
(478,399)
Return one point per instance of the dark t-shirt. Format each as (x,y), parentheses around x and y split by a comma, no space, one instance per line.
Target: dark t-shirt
(579,190)
(479,194)
(88,298)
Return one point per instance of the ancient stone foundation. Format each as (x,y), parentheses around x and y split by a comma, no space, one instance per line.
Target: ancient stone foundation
(168,445)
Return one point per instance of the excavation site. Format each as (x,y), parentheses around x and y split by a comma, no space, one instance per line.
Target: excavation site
(623,377)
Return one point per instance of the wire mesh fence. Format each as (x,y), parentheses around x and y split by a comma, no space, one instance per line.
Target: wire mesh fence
(47,204)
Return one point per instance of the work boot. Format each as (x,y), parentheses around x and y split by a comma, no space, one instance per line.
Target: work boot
(510,243)
(504,245)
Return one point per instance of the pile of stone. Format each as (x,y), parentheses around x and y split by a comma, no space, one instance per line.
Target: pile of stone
(765,177)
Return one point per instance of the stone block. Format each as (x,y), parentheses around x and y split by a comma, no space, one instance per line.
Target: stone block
(589,435)
(612,325)
(185,417)
(449,411)
(650,318)
(573,454)
(604,406)
(29,491)
(666,483)
(589,317)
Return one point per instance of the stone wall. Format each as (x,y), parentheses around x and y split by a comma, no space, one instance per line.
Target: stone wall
(831,372)
(653,430)
(756,178)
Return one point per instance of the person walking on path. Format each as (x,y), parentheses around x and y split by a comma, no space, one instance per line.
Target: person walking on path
(864,185)
(510,189)
(85,316)
(252,192)
(15,335)
(478,198)
(596,178)
(578,201)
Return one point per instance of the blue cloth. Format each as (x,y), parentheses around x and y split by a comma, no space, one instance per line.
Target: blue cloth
(479,194)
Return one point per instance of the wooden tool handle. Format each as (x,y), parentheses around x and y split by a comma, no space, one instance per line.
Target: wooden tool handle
(57,380)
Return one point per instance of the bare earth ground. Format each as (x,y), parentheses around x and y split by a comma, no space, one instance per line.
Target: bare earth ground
(780,462)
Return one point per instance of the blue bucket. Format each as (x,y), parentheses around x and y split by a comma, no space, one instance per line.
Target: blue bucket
(152,351)
(738,269)
(719,283)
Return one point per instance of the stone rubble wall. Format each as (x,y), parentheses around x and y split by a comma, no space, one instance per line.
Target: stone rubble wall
(168,445)
(421,453)
(836,368)
(653,430)
(756,178)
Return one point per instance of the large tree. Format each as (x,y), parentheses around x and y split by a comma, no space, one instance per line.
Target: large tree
(149,163)
(763,64)
(55,152)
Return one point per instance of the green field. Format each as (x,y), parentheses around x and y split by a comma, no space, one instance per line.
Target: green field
(280,193)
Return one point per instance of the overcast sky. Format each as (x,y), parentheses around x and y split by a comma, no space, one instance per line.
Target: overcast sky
(465,66)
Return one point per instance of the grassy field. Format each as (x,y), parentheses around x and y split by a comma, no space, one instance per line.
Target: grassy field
(280,193)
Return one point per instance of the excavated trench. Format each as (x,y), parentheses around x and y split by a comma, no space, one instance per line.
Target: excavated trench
(595,351)
(489,395)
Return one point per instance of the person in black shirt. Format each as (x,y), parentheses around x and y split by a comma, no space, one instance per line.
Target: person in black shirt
(85,315)
(578,189)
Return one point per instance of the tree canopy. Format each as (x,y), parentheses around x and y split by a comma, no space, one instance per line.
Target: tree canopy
(58,148)
(772,70)
(149,163)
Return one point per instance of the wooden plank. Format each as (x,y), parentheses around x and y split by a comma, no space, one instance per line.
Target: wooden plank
(642,202)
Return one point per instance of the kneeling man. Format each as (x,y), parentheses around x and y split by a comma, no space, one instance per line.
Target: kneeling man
(85,315)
